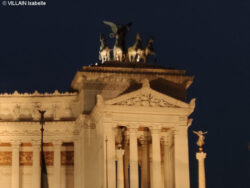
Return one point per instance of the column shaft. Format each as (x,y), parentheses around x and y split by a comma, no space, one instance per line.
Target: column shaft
(36,168)
(15,171)
(156,159)
(168,167)
(120,174)
(202,180)
(126,162)
(133,147)
(76,164)
(110,141)
(57,164)
(181,158)
(145,163)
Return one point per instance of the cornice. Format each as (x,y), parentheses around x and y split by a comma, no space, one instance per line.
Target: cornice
(56,93)
(48,123)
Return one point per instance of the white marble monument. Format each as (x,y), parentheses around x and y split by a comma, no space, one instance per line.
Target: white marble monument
(122,125)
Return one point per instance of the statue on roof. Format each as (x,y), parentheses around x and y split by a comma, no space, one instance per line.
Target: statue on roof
(119,33)
(201,138)
(133,50)
(104,52)
(144,53)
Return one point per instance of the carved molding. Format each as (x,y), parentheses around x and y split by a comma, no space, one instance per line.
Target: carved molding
(37,94)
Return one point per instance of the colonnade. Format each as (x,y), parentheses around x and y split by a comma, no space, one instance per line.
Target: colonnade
(164,153)
(36,169)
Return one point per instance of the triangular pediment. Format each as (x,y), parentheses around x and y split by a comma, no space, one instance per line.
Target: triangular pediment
(147,97)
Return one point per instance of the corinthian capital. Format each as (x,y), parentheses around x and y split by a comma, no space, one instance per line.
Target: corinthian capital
(155,129)
(167,138)
(132,128)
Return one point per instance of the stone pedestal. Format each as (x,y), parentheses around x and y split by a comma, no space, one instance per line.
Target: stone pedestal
(200,156)
(120,174)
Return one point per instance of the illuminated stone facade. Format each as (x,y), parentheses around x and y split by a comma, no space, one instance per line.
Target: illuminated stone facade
(118,122)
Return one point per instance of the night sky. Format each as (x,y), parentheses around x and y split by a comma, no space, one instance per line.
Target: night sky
(41,48)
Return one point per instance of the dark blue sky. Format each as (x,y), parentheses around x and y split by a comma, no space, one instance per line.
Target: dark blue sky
(42,48)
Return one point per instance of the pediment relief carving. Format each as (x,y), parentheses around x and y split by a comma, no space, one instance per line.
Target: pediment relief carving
(148,97)
(147,100)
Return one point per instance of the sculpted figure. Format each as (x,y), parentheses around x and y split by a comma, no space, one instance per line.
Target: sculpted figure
(104,52)
(120,136)
(144,53)
(119,32)
(201,138)
(132,51)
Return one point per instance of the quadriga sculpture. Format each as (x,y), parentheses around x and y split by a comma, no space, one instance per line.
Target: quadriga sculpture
(133,50)
(104,52)
(119,32)
(144,53)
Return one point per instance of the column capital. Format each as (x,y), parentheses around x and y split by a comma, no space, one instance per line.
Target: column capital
(76,140)
(181,130)
(126,137)
(167,138)
(200,155)
(132,128)
(110,129)
(119,152)
(57,144)
(144,138)
(36,143)
(155,129)
(15,143)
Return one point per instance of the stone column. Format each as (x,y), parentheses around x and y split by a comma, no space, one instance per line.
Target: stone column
(110,144)
(36,167)
(144,161)
(168,160)
(120,174)
(156,158)
(126,160)
(200,156)
(15,171)
(181,158)
(57,163)
(76,163)
(133,151)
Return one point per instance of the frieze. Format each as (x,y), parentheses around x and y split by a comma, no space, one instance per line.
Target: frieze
(26,158)
(27,110)
(67,158)
(5,158)
(49,157)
